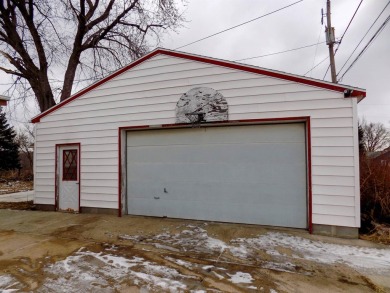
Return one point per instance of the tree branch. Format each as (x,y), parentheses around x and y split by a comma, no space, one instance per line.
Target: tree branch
(96,37)
(34,33)
(145,30)
(9,71)
(92,9)
(102,17)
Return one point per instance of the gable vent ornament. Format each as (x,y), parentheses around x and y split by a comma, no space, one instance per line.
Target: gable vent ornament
(201,104)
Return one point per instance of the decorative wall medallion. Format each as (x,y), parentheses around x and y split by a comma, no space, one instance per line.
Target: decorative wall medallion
(202,104)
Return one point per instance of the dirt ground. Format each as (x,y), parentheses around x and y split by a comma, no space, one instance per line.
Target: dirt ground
(60,252)
(15,186)
(23,205)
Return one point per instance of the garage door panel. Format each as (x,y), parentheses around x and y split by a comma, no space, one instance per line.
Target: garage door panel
(212,192)
(234,212)
(264,153)
(218,135)
(145,207)
(246,174)
(200,173)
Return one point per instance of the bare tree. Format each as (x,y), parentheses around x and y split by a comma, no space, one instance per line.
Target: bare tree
(375,192)
(84,39)
(376,136)
(25,139)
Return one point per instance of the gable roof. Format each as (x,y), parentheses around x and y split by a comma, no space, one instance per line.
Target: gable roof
(350,92)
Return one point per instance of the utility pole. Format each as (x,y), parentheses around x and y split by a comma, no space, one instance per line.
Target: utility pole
(330,41)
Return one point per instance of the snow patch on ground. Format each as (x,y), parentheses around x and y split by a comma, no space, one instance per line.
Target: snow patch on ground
(192,238)
(362,258)
(6,284)
(180,262)
(86,270)
(215,244)
(5,280)
(220,277)
(241,277)
(281,267)
(196,239)
(207,267)
(106,271)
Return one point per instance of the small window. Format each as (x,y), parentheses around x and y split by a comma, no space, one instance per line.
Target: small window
(69,165)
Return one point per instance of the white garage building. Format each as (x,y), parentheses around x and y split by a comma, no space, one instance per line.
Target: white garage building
(185,136)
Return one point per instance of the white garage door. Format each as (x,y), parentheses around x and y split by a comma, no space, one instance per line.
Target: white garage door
(244,174)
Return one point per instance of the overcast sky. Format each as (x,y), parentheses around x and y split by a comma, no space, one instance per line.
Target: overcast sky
(296,26)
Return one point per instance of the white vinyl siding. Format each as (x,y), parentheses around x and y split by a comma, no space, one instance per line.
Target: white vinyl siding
(147,95)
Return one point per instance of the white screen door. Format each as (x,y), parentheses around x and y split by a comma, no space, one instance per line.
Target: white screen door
(68,178)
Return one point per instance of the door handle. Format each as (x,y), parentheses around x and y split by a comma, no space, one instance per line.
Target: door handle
(77,183)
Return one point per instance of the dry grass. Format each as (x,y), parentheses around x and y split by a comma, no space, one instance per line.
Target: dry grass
(380,234)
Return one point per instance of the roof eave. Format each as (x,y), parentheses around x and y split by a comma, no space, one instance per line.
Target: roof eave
(4,98)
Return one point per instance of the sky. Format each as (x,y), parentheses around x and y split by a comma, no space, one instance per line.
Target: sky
(293,27)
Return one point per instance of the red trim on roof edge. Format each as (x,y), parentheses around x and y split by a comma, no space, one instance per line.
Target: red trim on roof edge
(335,87)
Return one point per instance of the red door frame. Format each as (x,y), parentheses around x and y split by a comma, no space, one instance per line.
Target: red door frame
(56,189)
(305,119)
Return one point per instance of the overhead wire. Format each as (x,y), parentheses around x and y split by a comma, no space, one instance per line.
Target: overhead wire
(341,39)
(349,24)
(318,42)
(363,37)
(238,25)
(367,45)
(318,64)
(280,52)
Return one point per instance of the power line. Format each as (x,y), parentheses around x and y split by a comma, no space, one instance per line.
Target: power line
(341,39)
(318,42)
(238,25)
(363,37)
(8,83)
(353,16)
(280,52)
(319,63)
(367,45)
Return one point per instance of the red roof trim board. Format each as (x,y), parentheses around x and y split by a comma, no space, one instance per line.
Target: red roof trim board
(352,92)
(4,100)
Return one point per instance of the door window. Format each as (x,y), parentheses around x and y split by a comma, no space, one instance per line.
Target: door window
(69,165)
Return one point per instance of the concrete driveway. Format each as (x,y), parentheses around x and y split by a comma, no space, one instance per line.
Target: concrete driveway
(59,252)
(18,196)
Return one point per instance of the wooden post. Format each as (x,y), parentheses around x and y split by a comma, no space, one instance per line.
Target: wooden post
(330,38)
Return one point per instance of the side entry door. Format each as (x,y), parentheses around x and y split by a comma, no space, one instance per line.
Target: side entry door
(68,166)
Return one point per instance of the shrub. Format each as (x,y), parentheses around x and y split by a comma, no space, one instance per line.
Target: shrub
(375,192)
